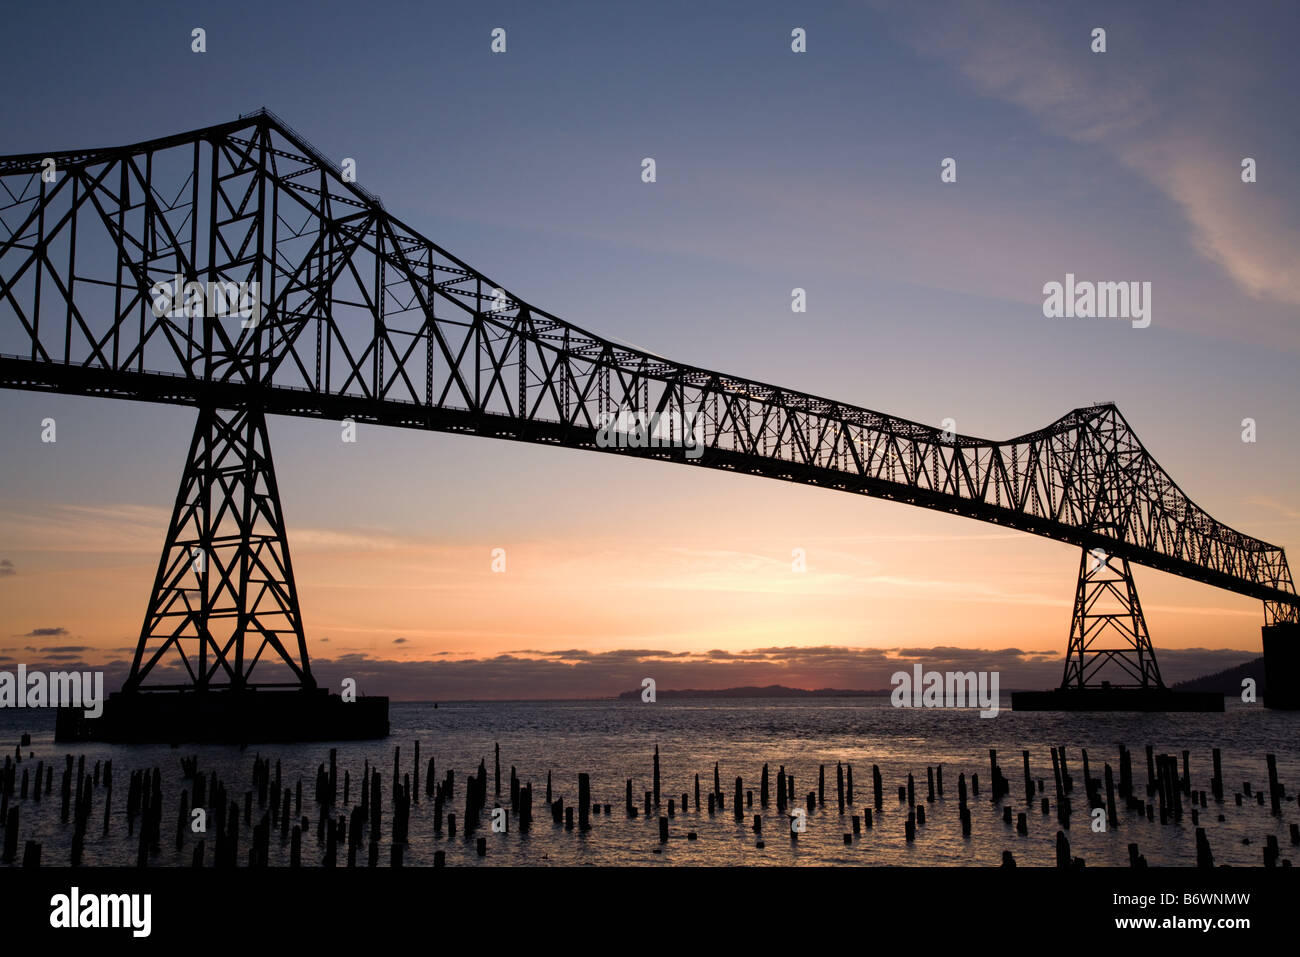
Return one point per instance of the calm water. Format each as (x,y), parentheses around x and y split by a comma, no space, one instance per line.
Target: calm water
(615,740)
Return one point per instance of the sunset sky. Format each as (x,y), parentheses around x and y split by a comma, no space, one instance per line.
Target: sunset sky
(775,170)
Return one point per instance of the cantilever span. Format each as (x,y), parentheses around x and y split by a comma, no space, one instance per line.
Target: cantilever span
(358,315)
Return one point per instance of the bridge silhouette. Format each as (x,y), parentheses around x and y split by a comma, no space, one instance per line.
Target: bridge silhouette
(355,315)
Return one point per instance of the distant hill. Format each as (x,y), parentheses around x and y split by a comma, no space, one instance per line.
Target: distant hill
(1225,682)
(1228,682)
(770,691)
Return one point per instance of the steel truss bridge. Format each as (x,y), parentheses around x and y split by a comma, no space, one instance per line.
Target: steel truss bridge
(360,317)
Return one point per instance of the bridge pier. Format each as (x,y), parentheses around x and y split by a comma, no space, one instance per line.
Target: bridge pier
(1282,665)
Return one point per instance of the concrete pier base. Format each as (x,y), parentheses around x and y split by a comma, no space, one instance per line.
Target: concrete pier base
(249,717)
(1282,666)
(1116,699)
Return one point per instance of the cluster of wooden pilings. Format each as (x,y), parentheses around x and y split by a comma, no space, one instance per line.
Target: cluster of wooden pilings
(350,827)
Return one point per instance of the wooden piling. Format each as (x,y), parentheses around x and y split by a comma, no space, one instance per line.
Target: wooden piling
(963,812)
(1056,775)
(11,835)
(1029,781)
(1274,787)
(1112,819)
(182,819)
(1088,791)
(584,801)
(1062,850)
(1125,774)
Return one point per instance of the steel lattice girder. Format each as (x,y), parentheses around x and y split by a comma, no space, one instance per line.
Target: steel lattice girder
(362,317)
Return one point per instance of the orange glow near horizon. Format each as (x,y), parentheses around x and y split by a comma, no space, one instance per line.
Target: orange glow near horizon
(896,577)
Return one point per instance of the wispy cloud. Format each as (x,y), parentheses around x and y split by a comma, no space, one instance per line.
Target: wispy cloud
(1288,513)
(1189,147)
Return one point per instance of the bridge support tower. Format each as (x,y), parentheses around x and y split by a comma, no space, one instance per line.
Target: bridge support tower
(1110,664)
(1107,611)
(224,605)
